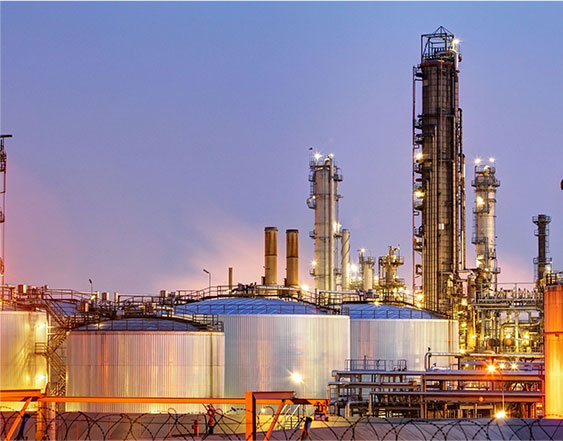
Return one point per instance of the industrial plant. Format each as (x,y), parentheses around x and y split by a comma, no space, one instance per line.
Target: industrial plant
(363,342)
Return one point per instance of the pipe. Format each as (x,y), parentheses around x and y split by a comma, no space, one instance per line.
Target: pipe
(292,257)
(230,278)
(270,256)
(553,344)
(345,259)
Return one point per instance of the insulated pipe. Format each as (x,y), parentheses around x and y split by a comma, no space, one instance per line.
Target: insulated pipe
(553,344)
(292,257)
(271,256)
(345,259)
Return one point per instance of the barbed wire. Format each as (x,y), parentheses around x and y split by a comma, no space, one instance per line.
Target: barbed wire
(230,425)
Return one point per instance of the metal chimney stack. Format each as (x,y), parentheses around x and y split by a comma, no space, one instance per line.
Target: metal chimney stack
(292,257)
(542,263)
(271,256)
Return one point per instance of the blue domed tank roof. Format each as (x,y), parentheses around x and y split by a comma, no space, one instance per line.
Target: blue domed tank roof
(248,305)
(140,324)
(374,311)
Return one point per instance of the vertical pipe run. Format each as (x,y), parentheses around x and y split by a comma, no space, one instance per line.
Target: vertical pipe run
(230,278)
(553,343)
(271,256)
(292,257)
(345,259)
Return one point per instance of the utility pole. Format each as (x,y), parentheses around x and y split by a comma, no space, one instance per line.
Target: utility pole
(3,204)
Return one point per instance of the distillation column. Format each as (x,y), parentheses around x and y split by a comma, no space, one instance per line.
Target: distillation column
(484,236)
(324,177)
(542,263)
(438,178)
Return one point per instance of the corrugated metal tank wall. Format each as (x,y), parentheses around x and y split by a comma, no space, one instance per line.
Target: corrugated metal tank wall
(262,351)
(20,368)
(269,339)
(408,339)
(144,364)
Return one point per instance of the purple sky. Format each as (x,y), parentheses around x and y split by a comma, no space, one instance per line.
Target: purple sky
(154,140)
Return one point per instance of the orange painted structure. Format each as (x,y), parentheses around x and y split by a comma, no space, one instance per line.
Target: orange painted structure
(553,344)
(251,400)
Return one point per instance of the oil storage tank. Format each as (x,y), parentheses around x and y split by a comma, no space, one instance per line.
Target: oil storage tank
(389,332)
(20,365)
(144,357)
(273,344)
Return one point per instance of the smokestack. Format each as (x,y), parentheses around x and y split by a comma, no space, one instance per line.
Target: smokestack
(345,259)
(553,340)
(542,262)
(292,257)
(271,256)
(230,278)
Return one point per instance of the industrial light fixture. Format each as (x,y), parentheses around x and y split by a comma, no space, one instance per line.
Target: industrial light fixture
(500,414)
(491,159)
(296,378)
(477,161)
(209,274)
(491,368)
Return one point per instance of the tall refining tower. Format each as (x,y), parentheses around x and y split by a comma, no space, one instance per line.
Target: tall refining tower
(484,236)
(438,175)
(324,177)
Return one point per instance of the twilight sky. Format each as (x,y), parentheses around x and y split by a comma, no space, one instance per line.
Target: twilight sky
(154,140)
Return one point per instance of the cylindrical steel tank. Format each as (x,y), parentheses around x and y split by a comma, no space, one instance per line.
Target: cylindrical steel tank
(292,257)
(144,358)
(553,342)
(20,366)
(388,332)
(270,256)
(271,344)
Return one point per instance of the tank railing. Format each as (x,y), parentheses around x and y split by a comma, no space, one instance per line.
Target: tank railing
(409,314)
(290,308)
(316,299)
(376,365)
(177,323)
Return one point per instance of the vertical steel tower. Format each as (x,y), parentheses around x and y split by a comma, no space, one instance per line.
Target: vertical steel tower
(438,174)
(324,177)
(542,263)
(484,236)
